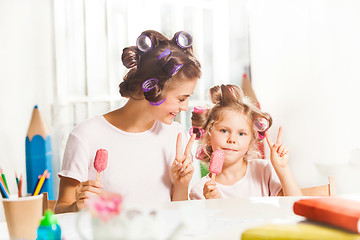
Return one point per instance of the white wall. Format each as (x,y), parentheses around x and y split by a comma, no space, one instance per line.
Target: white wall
(26,76)
(305,61)
(305,70)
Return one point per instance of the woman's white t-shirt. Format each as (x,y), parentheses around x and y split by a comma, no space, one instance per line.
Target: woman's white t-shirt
(260,180)
(138,163)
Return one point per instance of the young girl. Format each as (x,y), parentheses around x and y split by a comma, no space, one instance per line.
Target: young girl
(234,125)
(146,160)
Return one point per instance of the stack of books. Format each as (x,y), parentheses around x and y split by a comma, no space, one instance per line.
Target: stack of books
(329,218)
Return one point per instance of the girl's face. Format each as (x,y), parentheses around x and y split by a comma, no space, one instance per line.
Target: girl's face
(232,134)
(177,100)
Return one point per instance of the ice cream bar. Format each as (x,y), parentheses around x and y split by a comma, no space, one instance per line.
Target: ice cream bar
(216,163)
(100,161)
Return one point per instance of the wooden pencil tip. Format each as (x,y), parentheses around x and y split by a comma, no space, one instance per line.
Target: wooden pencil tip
(36,106)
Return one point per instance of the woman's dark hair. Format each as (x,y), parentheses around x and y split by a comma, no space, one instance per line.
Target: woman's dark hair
(147,65)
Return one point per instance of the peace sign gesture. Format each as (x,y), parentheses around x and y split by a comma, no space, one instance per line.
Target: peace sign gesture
(279,153)
(182,168)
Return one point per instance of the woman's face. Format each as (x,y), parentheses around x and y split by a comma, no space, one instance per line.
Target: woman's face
(232,134)
(177,100)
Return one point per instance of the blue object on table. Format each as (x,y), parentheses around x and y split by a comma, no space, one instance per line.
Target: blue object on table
(38,154)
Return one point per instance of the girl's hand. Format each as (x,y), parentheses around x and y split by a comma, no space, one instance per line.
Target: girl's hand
(210,191)
(279,153)
(182,168)
(85,190)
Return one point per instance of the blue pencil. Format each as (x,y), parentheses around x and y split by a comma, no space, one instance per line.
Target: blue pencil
(38,154)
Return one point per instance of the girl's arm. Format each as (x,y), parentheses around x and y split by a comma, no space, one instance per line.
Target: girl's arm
(72,194)
(182,170)
(279,159)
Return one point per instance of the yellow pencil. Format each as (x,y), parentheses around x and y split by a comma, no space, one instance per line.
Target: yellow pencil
(41,182)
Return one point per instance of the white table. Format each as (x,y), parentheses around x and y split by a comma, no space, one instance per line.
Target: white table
(209,219)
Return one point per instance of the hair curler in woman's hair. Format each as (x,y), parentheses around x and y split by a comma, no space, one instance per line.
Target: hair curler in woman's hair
(165,53)
(129,57)
(183,39)
(143,43)
(149,85)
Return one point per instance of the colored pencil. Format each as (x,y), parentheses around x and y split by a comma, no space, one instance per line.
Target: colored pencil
(37,183)
(2,182)
(46,178)
(38,153)
(4,179)
(17,179)
(3,190)
(40,183)
(20,186)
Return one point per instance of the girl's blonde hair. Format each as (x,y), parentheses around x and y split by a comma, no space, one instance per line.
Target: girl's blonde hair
(228,97)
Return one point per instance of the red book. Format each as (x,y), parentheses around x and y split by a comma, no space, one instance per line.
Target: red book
(338,212)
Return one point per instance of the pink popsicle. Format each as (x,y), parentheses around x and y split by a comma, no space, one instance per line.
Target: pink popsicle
(100,162)
(216,163)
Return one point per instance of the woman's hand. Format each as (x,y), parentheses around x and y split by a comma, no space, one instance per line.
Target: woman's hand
(210,191)
(182,168)
(85,190)
(279,153)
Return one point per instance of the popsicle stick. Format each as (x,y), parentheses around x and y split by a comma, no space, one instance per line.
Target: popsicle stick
(98,176)
(213,175)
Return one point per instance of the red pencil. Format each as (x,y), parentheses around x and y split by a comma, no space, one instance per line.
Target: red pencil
(20,185)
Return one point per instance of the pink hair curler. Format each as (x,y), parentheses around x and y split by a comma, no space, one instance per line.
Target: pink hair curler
(198,131)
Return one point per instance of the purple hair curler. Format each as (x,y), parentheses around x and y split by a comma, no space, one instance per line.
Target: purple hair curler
(157,103)
(175,69)
(183,39)
(143,43)
(165,53)
(198,131)
(149,84)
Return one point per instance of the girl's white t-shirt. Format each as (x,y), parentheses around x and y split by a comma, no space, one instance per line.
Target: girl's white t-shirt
(138,163)
(260,180)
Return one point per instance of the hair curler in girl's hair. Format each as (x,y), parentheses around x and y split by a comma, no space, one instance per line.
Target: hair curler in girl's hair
(198,132)
(200,109)
(261,125)
(200,153)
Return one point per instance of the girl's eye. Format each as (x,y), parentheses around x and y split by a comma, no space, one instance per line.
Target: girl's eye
(223,130)
(182,100)
(242,134)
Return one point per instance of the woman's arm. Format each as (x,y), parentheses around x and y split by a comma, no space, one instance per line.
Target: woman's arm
(67,200)
(72,194)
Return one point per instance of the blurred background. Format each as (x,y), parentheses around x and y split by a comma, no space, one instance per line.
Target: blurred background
(302,58)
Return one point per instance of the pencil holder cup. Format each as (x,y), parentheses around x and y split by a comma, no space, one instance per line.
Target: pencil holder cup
(23,216)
